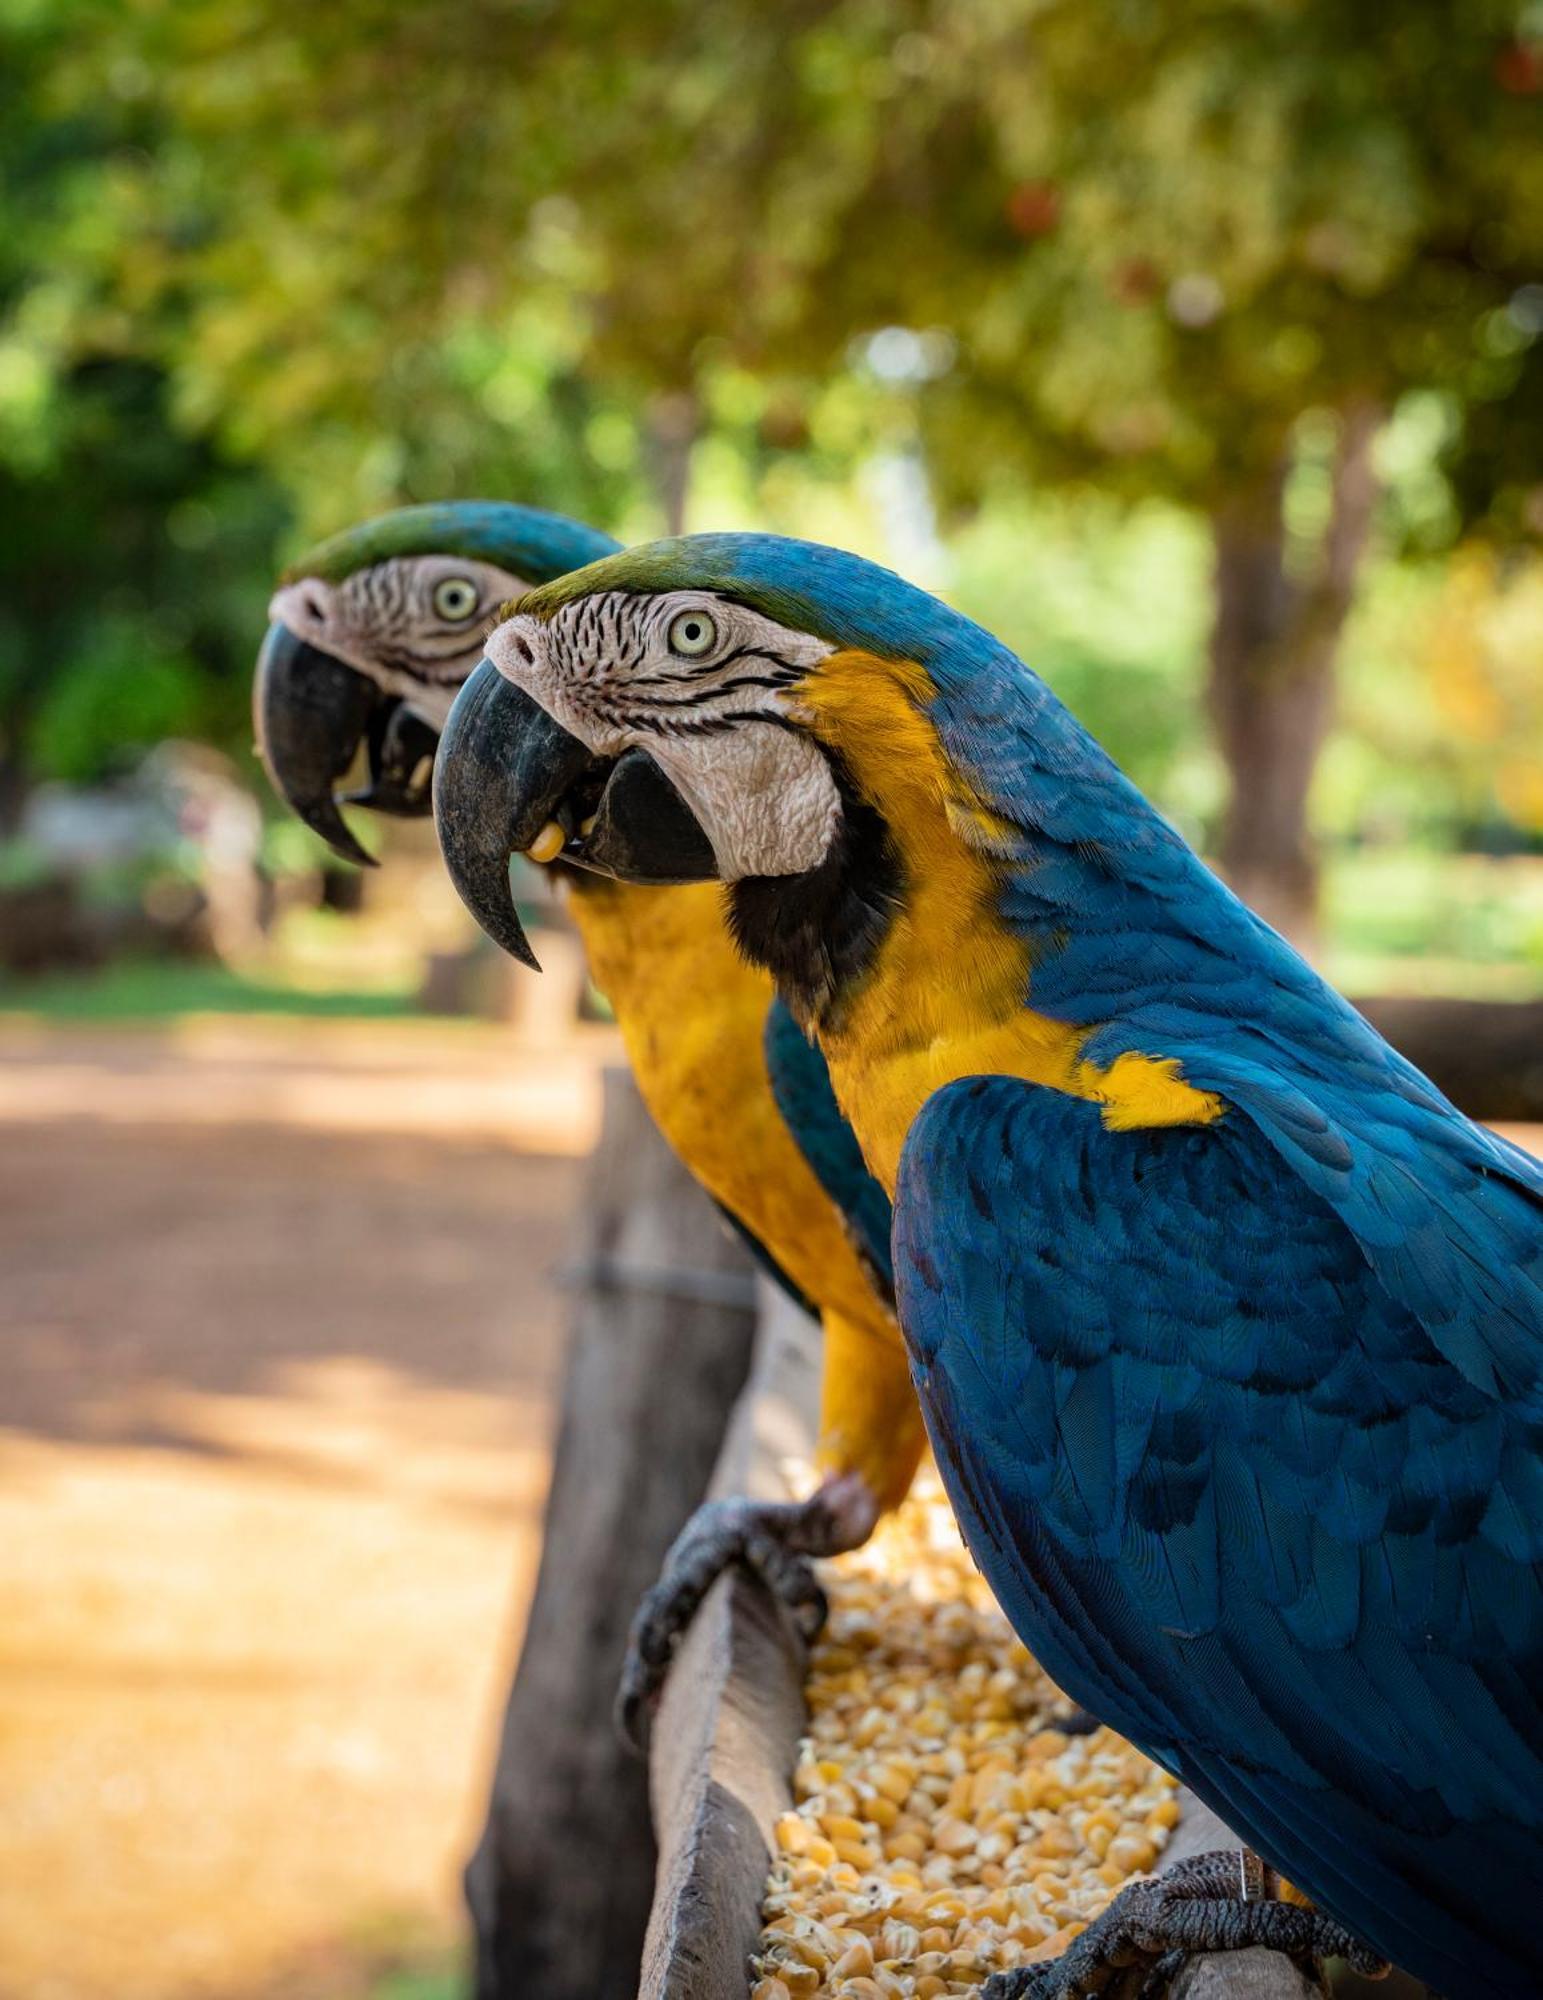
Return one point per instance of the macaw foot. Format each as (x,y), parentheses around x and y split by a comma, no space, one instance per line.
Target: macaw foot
(776,1540)
(1212,1902)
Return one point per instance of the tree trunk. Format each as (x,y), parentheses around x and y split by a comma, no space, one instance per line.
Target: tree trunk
(13,793)
(673,422)
(562,1879)
(1273,647)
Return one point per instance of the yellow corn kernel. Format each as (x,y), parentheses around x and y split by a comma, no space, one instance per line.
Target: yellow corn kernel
(893,1780)
(854,1963)
(1131,1854)
(897,1940)
(548,843)
(953,1836)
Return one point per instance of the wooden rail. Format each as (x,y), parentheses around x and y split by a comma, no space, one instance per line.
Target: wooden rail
(726,1735)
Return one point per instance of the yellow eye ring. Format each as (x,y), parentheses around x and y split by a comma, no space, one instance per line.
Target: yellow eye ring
(691,634)
(455,599)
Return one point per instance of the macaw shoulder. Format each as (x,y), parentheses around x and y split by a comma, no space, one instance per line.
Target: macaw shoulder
(951,990)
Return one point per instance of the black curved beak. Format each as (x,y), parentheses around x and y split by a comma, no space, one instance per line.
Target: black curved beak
(506,771)
(310,713)
(401,747)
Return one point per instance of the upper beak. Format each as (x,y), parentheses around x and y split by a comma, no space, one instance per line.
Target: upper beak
(310,713)
(506,771)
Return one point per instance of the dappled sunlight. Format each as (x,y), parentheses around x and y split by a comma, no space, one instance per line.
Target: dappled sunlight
(243,1710)
(474,1083)
(282,1336)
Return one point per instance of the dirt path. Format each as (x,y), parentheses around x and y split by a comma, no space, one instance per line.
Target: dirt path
(278,1342)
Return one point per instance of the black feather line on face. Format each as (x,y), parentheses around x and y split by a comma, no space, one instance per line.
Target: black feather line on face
(818,933)
(702,725)
(448,671)
(687,677)
(401,662)
(687,701)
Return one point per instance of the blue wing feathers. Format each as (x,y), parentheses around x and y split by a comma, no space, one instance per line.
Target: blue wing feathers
(802,1087)
(1240,1498)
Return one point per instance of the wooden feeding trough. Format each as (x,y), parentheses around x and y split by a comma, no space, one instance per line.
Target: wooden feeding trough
(727,1736)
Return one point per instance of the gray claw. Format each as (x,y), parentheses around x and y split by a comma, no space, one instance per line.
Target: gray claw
(775,1541)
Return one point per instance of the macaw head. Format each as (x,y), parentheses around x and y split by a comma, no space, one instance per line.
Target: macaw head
(372,634)
(735,664)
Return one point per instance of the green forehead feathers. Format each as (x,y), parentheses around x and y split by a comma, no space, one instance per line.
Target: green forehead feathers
(523,540)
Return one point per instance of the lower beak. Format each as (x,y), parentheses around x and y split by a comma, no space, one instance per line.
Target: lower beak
(310,713)
(507,772)
(401,753)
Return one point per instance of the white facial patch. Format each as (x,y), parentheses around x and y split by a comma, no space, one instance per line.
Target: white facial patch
(705,686)
(413,624)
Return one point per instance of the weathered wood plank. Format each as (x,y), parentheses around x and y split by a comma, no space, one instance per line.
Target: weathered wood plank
(726,1735)
(562,1880)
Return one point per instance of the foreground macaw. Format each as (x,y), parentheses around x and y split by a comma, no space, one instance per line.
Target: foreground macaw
(1227,1326)
(373,634)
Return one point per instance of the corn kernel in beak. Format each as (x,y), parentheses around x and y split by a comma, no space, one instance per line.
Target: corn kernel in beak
(548,843)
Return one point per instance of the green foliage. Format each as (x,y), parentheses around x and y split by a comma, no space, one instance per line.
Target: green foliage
(399,251)
(134,569)
(163,990)
(1110,608)
(1412,921)
(266,269)
(113,703)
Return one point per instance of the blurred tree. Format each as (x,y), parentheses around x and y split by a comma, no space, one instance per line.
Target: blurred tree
(134,556)
(1200,252)
(1180,250)
(134,569)
(323,242)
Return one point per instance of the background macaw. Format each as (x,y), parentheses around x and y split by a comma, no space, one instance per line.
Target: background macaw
(1227,1326)
(373,634)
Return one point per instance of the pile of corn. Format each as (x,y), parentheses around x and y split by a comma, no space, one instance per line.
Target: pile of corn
(944,1830)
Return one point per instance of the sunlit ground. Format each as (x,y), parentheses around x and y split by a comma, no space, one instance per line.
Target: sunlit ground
(281,1336)
(280,1339)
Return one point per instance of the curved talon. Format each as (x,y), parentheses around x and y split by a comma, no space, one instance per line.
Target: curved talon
(775,1540)
(1198,1907)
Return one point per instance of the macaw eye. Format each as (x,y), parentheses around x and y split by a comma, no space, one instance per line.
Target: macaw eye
(455,598)
(692,633)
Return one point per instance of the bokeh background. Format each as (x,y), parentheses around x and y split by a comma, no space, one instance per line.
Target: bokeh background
(1196,349)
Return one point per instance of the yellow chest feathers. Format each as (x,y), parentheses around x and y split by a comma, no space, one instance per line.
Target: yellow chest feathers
(948,994)
(692,1014)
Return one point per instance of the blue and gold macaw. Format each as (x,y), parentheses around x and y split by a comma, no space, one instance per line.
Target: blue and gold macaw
(1227,1326)
(373,633)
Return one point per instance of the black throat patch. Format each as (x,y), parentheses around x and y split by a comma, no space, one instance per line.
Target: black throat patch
(818,933)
